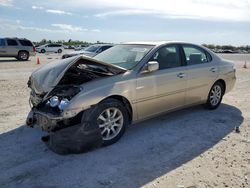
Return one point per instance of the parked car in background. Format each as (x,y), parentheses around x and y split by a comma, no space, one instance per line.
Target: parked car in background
(58,48)
(90,51)
(127,83)
(19,48)
(80,47)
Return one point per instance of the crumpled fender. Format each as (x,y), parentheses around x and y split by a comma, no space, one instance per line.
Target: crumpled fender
(75,139)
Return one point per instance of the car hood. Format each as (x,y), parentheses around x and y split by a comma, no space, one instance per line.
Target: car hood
(48,76)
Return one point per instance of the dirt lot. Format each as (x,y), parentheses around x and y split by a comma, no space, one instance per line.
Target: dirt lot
(193,147)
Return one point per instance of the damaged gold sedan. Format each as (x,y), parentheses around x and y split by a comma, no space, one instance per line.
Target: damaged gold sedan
(88,102)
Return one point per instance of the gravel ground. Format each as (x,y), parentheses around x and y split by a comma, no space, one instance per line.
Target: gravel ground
(192,148)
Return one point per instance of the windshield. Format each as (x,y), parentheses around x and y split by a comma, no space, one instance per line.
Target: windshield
(91,48)
(124,55)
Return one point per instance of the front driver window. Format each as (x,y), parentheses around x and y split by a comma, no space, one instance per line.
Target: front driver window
(167,57)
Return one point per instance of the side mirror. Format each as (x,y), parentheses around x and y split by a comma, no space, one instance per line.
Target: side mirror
(151,66)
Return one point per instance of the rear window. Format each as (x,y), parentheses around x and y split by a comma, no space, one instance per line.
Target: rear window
(25,43)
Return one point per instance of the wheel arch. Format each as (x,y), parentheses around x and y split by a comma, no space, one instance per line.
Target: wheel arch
(222,82)
(124,101)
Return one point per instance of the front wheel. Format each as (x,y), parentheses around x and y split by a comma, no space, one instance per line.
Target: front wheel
(112,119)
(215,96)
(59,51)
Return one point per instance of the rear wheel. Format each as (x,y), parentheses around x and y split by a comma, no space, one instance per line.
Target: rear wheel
(23,56)
(215,96)
(112,119)
(59,51)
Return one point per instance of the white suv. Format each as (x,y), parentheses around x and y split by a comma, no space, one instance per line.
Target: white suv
(50,48)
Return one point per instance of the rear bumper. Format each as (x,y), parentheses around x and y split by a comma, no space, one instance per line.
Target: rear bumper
(32,53)
(230,82)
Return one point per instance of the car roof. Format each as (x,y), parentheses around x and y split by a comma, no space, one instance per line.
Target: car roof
(155,43)
(15,38)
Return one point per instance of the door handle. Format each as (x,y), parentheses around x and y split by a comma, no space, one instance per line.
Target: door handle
(181,75)
(213,69)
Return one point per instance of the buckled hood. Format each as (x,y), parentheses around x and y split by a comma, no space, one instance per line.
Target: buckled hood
(48,76)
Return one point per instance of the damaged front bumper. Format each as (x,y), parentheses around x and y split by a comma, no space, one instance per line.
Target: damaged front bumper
(47,121)
(73,138)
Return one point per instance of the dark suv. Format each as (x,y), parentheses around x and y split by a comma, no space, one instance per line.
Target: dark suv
(21,49)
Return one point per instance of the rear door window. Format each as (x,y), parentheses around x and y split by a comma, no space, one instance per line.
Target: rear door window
(11,42)
(195,55)
(51,45)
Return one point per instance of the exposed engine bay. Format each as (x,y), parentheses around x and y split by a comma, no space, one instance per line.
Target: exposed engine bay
(47,107)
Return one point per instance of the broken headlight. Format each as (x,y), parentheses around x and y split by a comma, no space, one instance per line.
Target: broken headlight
(63,104)
(56,102)
(61,95)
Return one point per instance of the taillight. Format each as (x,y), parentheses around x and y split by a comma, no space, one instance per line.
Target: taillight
(34,49)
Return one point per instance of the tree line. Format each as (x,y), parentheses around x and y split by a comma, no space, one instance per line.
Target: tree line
(71,42)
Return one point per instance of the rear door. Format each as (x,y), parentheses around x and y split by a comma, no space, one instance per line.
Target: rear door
(165,88)
(49,48)
(12,47)
(202,72)
(3,48)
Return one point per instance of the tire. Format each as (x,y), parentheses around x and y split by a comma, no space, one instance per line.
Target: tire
(23,56)
(59,51)
(43,50)
(97,114)
(215,96)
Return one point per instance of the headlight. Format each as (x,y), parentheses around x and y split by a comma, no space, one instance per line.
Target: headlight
(63,104)
(54,101)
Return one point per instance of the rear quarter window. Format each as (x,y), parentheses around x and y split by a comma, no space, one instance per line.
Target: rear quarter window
(25,43)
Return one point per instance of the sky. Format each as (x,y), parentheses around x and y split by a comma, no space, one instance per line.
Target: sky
(220,22)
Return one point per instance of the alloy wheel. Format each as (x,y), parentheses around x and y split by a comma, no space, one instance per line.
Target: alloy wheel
(215,95)
(110,122)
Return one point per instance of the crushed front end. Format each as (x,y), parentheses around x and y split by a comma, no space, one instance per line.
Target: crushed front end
(48,109)
(53,88)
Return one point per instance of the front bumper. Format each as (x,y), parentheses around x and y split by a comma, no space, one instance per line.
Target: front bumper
(47,121)
(78,138)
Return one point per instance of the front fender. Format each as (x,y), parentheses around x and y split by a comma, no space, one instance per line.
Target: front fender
(89,97)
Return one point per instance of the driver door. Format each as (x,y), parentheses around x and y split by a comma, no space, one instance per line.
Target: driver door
(164,89)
